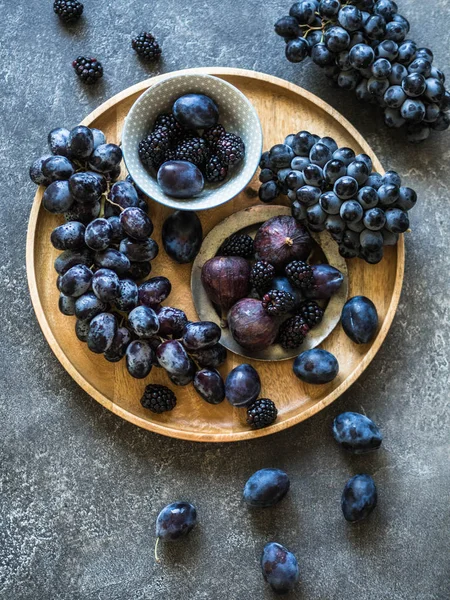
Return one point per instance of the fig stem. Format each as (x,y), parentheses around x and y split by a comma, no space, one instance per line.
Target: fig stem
(224,320)
(289,241)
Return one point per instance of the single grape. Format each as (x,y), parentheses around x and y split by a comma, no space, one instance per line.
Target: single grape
(308,195)
(287,27)
(368,196)
(320,154)
(66,305)
(394,96)
(345,187)
(295,180)
(80,142)
(102,330)
(143,321)
(154,291)
(186,377)
(98,235)
(124,194)
(388,194)
(375,27)
(173,357)
(210,386)
(387,49)
(58,140)
(85,188)
(57,168)
(83,212)
(139,251)
(304,12)
(420,65)
(313,175)
(393,118)
(398,73)
(139,357)
(321,56)
(105,285)
(336,39)
(118,233)
(297,50)
(377,87)
(200,335)
(374,219)
(315,215)
(269,192)
(371,241)
(69,236)
(301,145)
(57,197)
(407,52)
(335,225)
(172,322)
(127,297)
(36,174)
(397,220)
(330,203)
(105,158)
(414,85)
(407,198)
(89,306)
(69,258)
(120,343)
(136,224)
(345,155)
(76,281)
(114,260)
(210,358)
(82,330)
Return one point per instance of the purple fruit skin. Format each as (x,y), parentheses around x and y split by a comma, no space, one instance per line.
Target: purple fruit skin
(209,385)
(328,280)
(242,386)
(251,326)
(173,357)
(281,240)
(226,279)
(180,179)
(196,111)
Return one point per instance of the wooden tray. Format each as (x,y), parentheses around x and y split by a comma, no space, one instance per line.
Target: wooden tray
(283,108)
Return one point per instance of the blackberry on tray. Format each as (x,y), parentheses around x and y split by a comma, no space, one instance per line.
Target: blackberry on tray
(158,399)
(261,413)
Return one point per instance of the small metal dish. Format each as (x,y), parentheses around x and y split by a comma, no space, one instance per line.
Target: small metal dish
(248,221)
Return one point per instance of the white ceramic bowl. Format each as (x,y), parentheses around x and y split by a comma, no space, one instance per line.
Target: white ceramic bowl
(237,115)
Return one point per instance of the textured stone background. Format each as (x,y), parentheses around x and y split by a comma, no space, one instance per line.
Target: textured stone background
(80,489)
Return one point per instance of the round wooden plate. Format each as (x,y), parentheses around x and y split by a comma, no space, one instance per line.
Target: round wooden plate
(283,108)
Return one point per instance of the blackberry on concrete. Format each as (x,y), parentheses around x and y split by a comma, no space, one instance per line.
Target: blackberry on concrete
(89,70)
(68,10)
(230,149)
(300,274)
(278,302)
(261,275)
(158,398)
(153,148)
(215,170)
(192,150)
(170,125)
(293,332)
(237,245)
(146,46)
(312,313)
(213,134)
(261,413)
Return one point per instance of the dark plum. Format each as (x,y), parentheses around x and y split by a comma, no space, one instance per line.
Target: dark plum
(182,236)
(210,358)
(105,285)
(201,334)
(105,158)
(196,111)
(266,488)
(143,321)
(57,141)
(139,357)
(66,305)
(80,143)
(127,298)
(89,306)
(69,258)
(68,236)
(279,567)
(173,357)
(360,319)
(76,281)
(57,168)
(85,187)
(175,521)
(172,322)
(316,366)
(57,197)
(139,251)
(242,385)
(154,291)
(356,433)
(82,330)
(136,224)
(98,235)
(359,498)
(120,343)
(210,386)
(102,330)
(114,260)
(327,281)
(180,179)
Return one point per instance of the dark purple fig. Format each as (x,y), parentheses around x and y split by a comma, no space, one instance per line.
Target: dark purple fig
(327,281)
(226,280)
(281,240)
(251,326)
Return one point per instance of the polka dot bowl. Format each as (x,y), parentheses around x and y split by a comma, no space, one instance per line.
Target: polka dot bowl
(237,115)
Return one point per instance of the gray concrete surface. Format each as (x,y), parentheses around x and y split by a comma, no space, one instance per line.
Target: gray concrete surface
(80,489)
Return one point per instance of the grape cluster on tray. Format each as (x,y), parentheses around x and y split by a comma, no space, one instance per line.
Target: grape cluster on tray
(335,190)
(361,45)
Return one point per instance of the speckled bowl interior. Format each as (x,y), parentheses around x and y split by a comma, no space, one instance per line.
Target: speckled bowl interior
(237,115)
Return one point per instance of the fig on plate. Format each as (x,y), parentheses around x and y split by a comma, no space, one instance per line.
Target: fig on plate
(226,280)
(251,326)
(282,239)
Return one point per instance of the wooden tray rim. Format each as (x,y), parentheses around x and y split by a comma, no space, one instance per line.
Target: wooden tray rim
(164,429)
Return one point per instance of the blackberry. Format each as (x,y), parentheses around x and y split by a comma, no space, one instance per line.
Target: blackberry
(230,149)
(213,134)
(277,302)
(170,125)
(146,46)
(261,413)
(89,70)
(215,171)
(153,148)
(293,332)
(170,155)
(261,275)
(68,10)
(237,245)
(158,398)
(192,150)
(300,274)
(312,313)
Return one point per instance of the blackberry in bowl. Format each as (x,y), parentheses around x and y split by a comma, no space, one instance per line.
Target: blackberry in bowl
(193,119)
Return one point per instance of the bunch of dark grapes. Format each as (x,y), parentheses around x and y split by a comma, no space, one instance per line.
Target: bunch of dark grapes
(105,262)
(361,45)
(332,189)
